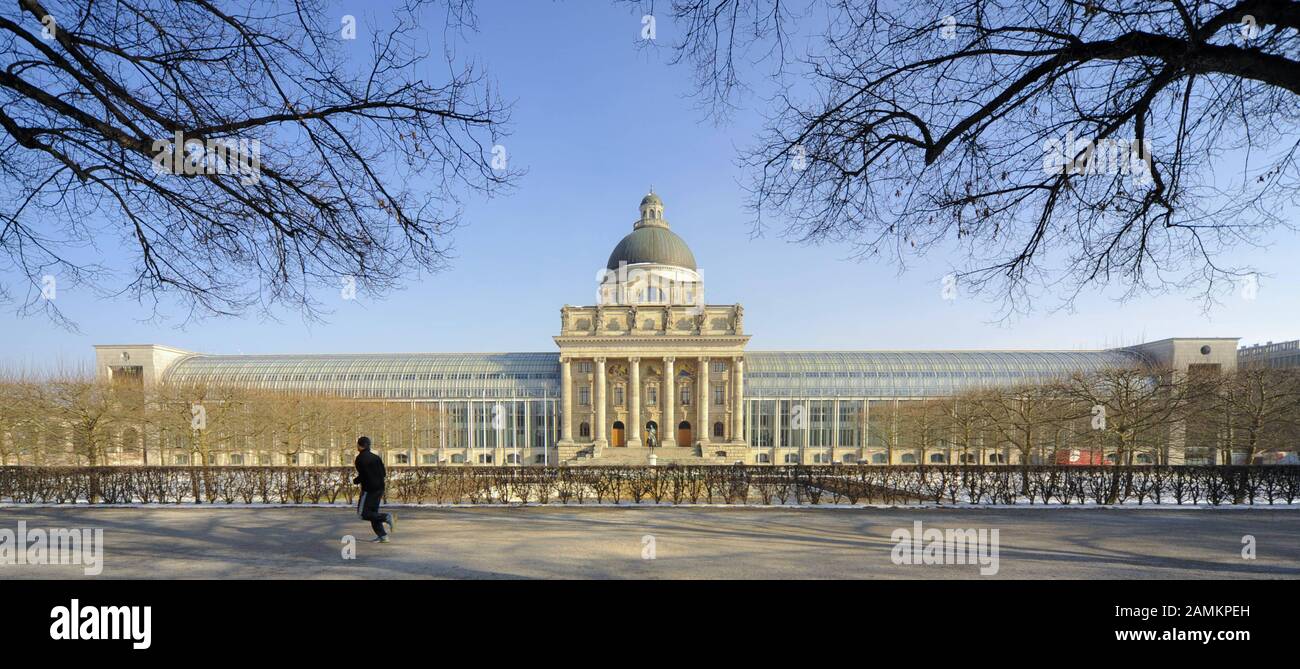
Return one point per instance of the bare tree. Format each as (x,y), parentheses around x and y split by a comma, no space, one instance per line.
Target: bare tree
(1056,145)
(239,156)
(1261,409)
(1022,416)
(965,421)
(1133,408)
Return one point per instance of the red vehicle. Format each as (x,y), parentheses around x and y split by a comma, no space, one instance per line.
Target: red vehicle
(1078,456)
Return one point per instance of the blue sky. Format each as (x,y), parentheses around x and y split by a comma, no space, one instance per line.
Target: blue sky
(596,121)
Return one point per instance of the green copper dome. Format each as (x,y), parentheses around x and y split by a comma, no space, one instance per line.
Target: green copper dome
(652,244)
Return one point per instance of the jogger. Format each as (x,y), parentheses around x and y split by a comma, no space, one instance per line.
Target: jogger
(371,475)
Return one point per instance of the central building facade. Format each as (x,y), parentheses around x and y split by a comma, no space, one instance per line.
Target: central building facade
(652,372)
(653,365)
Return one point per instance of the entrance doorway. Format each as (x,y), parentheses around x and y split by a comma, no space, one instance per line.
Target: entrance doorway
(684,433)
(617,438)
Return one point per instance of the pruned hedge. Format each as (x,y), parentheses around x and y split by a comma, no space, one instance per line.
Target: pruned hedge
(739,484)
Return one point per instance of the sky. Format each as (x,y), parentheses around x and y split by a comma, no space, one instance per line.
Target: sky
(596,122)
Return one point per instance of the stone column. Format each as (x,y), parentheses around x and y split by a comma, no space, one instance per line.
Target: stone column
(738,400)
(566,399)
(634,397)
(702,389)
(598,435)
(668,431)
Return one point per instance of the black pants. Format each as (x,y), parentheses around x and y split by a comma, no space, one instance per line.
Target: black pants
(368,509)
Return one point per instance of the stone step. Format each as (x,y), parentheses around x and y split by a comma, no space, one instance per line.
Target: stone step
(641,457)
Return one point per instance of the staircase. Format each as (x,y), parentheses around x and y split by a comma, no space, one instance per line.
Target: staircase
(626,457)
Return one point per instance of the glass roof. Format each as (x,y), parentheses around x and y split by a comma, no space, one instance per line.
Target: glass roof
(912,373)
(767,373)
(391,376)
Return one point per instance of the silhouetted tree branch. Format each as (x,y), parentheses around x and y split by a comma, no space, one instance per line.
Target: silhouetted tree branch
(911,126)
(336,168)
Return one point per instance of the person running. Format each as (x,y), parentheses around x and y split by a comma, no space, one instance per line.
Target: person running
(370,475)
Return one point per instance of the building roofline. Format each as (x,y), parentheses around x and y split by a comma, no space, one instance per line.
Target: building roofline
(162,346)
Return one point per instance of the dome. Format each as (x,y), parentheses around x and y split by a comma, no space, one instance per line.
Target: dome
(651,198)
(652,244)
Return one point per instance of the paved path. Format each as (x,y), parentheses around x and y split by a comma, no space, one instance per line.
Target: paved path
(689,543)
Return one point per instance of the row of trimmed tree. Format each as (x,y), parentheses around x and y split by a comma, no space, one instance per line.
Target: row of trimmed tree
(1119,415)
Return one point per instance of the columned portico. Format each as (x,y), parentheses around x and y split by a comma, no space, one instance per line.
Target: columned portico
(634,398)
(669,428)
(738,400)
(702,430)
(598,434)
(566,391)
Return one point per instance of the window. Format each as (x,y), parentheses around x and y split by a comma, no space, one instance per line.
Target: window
(791,458)
(485,458)
(718,430)
(879,459)
(458,458)
(584,430)
(236,458)
(908,459)
(180,459)
(264,460)
(821,458)
(584,397)
(618,396)
(429,459)
(1142,459)
(719,366)
(970,459)
(402,459)
(686,394)
(718,396)
(762,458)
(212,459)
(539,459)
(652,395)
(849,458)
(996,459)
(512,458)
(584,367)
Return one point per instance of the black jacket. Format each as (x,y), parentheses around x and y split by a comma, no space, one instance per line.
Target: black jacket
(370,471)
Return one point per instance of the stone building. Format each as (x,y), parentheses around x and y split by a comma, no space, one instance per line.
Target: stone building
(652,369)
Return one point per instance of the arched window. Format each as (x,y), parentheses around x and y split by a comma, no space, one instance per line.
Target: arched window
(458,458)
(879,459)
(970,459)
(791,458)
(1142,459)
(512,458)
(584,430)
(718,430)
(937,458)
(762,458)
(402,459)
(996,459)
(908,459)
(849,458)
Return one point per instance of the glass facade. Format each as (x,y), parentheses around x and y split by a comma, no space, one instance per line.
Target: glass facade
(504,408)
